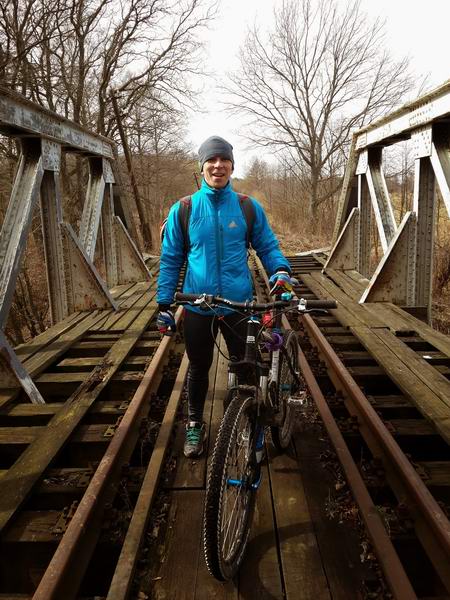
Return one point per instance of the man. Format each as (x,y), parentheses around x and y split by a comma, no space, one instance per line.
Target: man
(216,264)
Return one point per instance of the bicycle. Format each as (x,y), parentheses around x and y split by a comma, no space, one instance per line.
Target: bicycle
(273,400)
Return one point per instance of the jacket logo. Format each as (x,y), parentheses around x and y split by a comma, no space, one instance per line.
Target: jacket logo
(232,225)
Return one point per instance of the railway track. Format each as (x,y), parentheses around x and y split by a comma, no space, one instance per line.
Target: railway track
(81,473)
(380,380)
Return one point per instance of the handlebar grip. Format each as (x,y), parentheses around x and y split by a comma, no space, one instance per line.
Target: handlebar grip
(321,304)
(180,297)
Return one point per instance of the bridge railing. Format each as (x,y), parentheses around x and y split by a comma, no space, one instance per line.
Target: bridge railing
(404,273)
(74,283)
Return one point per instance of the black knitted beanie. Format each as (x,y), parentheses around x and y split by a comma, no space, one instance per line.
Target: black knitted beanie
(215,146)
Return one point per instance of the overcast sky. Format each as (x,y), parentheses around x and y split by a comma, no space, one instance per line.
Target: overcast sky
(414,28)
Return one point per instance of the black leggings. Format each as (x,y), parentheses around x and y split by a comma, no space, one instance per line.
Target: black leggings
(200,331)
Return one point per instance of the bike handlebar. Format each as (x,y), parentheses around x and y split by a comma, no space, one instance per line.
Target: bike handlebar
(209,299)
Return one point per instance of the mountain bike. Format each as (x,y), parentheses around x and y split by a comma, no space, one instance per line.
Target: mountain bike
(270,400)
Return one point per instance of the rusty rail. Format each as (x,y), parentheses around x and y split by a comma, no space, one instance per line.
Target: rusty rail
(64,573)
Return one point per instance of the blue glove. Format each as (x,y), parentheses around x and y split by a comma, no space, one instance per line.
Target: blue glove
(281,282)
(166,322)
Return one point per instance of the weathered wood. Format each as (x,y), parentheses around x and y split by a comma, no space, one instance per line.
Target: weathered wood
(132,300)
(81,376)
(358,310)
(26,350)
(123,575)
(86,348)
(347,285)
(87,363)
(435,338)
(338,542)
(40,361)
(260,573)
(341,313)
(35,459)
(132,313)
(430,405)
(177,575)
(300,555)
(432,376)
(34,526)
(384,311)
(435,473)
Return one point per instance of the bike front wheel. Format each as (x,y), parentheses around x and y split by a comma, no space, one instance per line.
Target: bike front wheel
(287,388)
(231,489)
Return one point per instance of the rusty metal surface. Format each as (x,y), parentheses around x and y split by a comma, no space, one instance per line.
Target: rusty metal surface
(66,569)
(433,525)
(385,551)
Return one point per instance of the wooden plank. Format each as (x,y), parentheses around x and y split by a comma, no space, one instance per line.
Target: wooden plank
(25,351)
(431,406)
(37,363)
(88,363)
(384,311)
(300,555)
(341,313)
(347,285)
(358,310)
(357,277)
(437,339)
(339,543)
(129,302)
(177,574)
(435,473)
(260,573)
(19,480)
(433,377)
(125,320)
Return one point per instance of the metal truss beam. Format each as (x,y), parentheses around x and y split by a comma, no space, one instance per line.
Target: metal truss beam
(130,264)
(19,116)
(51,218)
(85,289)
(425,208)
(17,222)
(345,252)
(90,219)
(379,195)
(109,238)
(13,375)
(365,225)
(394,278)
(347,198)
(440,159)
(399,124)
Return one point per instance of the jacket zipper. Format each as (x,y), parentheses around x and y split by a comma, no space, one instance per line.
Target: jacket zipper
(218,248)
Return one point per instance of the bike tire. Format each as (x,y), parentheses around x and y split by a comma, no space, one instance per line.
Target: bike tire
(286,386)
(233,459)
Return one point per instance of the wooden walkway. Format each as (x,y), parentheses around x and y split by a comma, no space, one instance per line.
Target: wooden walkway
(295,551)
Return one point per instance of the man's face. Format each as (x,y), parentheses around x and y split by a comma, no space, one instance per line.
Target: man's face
(217,171)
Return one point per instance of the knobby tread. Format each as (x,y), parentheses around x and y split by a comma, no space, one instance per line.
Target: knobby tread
(226,438)
(282,432)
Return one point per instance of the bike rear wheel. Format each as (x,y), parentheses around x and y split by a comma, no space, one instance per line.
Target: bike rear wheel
(287,388)
(231,490)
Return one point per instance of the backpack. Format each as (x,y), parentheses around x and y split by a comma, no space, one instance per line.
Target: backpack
(184,214)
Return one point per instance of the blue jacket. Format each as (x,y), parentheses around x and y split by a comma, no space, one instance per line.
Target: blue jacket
(217,257)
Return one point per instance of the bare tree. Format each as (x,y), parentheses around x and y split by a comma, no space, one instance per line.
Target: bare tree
(302,88)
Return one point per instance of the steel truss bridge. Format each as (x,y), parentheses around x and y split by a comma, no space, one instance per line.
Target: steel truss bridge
(92,478)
